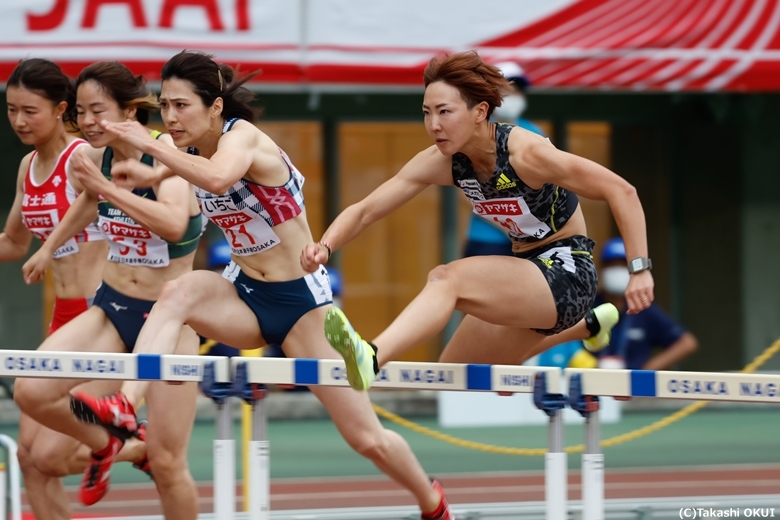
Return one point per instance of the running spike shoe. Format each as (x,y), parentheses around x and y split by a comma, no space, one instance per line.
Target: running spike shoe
(359,355)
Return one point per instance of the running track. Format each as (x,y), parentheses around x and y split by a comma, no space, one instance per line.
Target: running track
(125,500)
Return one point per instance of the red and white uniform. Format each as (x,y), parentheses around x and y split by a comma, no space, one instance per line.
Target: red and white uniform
(44,205)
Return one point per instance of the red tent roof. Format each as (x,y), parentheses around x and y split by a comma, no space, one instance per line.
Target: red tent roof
(672,45)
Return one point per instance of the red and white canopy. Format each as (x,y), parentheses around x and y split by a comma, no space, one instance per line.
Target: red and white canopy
(652,44)
(700,45)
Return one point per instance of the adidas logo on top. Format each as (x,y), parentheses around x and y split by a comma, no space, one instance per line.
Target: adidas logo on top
(504,182)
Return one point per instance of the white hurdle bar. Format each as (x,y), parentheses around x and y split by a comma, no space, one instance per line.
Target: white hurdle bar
(219,372)
(147,367)
(702,386)
(544,382)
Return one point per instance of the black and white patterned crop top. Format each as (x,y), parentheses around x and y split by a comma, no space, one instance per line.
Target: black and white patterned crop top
(528,215)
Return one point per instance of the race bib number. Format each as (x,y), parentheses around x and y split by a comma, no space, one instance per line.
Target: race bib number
(131,244)
(247,235)
(42,223)
(514,215)
(70,247)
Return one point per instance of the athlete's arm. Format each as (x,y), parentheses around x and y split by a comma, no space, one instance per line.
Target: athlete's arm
(93,154)
(427,168)
(229,163)
(168,216)
(130,174)
(16,238)
(80,214)
(540,163)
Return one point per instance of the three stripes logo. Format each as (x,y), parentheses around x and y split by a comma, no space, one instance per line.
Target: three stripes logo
(504,183)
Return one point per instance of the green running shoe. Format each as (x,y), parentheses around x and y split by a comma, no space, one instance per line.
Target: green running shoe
(600,322)
(359,355)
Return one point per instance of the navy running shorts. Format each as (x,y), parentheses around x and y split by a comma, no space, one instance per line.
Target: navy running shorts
(279,305)
(128,315)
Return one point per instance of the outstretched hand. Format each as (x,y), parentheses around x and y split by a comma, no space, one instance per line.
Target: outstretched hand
(131,132)
(34,269)
(131,173)
(86,173)
(639,293)
(312,256)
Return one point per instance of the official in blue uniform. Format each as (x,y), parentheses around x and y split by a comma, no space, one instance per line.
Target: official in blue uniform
(637,336)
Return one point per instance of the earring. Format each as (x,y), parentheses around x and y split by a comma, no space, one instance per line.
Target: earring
(58,117)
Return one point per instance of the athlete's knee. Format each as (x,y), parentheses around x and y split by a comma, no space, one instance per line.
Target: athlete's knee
(25,458)
(371,445)
(174,296)
(168,466)
(32,475)
(26,397)
(50,459)
(440,273)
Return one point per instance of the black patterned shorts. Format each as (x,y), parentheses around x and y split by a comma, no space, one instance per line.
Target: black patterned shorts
(568,266)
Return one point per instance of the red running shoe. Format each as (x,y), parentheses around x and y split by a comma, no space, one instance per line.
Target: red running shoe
(94,485)
(443,512)
(143,464)
(112,412)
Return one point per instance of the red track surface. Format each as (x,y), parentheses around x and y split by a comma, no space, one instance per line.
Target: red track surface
(463,489)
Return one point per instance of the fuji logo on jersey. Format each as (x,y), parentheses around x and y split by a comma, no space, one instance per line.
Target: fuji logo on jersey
(504,182)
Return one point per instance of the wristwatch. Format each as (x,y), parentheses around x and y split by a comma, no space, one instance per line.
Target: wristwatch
(639,264)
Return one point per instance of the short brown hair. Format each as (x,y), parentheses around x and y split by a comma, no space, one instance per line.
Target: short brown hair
(475,80)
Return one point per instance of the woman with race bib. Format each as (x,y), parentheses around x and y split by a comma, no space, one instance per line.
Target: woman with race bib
(248,187)
(515,307)
(41,103)
(152,234)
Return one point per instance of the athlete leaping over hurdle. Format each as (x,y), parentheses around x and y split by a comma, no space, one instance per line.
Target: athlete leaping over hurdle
(515,307)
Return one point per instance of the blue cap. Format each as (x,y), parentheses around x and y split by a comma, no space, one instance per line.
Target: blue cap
(514,72)
(613,249)
(219,254)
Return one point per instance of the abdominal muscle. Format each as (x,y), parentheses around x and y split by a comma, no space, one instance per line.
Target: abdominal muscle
(574,226)
(282,262)
(145,283)
(78,275)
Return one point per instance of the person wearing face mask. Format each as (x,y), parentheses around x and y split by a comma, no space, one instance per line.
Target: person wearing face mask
(636,335)
(485,238)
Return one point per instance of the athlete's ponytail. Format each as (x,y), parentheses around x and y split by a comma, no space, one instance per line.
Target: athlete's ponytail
(211,80)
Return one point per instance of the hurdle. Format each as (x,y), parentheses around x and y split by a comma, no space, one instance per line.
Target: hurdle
(223,378)
(585,385)
(543,382)
(126,367)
